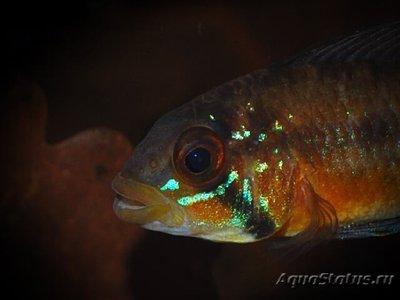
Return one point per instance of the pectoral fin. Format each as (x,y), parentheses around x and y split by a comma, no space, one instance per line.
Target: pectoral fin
(322,224)
(317,213)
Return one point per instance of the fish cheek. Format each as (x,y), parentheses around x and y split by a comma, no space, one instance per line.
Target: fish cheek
(210,212)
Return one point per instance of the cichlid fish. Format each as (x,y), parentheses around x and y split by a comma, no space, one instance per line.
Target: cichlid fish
(309,147)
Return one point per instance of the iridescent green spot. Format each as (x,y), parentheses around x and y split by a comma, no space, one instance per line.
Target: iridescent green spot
(240,135)
(290,116)
(348,113)
(247,191)
(212,117)
(264,203)
(171,184)
(185,201)
(278,126)
(280,164)
(233,175)
(220,190)
(276,151)
(237,136)
(261,137)
(261,167)
(236,220)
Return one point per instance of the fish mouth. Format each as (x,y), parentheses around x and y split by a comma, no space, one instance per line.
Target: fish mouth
(142,204)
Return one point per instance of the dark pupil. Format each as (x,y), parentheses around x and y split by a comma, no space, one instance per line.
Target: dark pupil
(198,160)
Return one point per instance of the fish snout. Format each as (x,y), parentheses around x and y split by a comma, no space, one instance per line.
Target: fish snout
(140,203)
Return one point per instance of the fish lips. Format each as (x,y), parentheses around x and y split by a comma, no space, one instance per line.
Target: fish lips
(142,204)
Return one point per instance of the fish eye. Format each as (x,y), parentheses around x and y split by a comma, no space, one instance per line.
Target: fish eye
(198,160)
(199,156)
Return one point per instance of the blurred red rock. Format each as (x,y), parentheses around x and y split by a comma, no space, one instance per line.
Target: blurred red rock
(59,231)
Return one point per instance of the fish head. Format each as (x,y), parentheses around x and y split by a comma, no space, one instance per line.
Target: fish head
(193,174)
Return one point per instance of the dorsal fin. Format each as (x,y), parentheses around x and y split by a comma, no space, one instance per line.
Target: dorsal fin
(378,45)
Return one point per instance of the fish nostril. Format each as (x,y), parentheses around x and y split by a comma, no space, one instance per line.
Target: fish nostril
(153,164)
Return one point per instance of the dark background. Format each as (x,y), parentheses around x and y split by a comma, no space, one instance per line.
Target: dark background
(121,65)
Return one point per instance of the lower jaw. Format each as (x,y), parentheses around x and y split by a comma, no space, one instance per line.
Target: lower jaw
(138,214)
(161,227)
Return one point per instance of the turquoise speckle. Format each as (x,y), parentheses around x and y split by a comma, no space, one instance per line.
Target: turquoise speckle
(261,137)
(261,167)
(247,191)
(171,184)
(237,136)
(220,190)
(233,175)
(264,203)
(240,135)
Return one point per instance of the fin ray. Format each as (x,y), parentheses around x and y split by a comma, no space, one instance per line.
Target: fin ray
(322,226)
(379,45)
(370,229)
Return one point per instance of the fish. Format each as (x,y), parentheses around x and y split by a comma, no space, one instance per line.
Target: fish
(307,148)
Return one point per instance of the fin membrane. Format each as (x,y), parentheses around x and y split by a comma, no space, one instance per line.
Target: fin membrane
(369,229)
(379,45)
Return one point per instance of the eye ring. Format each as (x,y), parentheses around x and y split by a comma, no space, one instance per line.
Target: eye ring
(199,170)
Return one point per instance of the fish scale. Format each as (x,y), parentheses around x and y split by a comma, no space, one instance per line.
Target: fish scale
(371,149)
(334,118)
